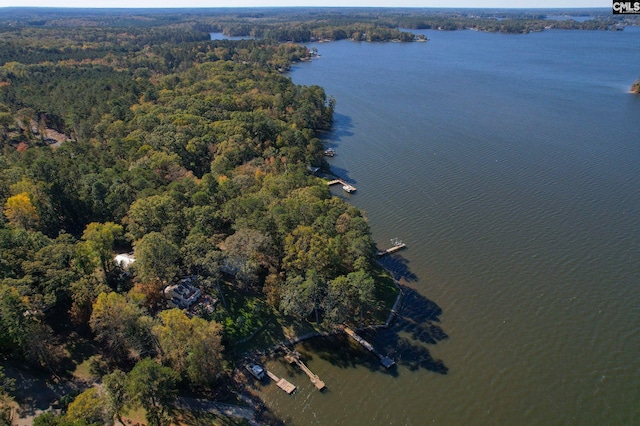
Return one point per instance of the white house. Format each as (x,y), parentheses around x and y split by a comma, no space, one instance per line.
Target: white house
(124,260)
(182,295)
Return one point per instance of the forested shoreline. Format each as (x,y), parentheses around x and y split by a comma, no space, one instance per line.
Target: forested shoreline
(192,155)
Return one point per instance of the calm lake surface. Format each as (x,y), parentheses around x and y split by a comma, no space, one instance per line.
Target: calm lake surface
(510,166)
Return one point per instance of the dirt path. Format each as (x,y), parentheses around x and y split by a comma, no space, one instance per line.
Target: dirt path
(218,408)
(36,394)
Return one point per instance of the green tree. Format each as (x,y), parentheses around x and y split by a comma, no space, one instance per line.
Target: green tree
(153,387)
(84,293)
(156,259)
(301,296)
(292,301)
(201,256)
(348,296)
(247,250)
(364,286)
(156,213)
(340,300)
(98,242)
(307,249)
(115,386)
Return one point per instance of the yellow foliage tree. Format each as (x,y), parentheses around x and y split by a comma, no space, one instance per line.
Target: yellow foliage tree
(20,211)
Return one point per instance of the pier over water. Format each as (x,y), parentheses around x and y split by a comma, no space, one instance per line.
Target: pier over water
(348,188)
(384,360)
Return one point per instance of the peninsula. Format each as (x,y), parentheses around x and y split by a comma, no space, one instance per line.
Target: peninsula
(172,223)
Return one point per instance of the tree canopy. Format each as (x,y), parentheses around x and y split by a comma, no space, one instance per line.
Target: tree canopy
(191,155)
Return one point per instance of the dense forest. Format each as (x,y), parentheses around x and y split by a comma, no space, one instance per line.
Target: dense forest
(131,132)
(191,155)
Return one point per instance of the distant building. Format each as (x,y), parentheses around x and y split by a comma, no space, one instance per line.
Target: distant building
(182,295)
(124,260)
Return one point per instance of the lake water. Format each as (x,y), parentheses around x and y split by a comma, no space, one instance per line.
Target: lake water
(510,166)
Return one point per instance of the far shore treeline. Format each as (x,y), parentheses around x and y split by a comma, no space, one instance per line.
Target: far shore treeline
(133,132)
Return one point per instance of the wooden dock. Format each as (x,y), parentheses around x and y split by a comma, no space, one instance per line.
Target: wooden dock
(348,188)
(385,360)
(282,383)
(294,358)
(397,246)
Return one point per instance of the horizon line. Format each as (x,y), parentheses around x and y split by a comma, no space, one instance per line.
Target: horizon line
(302,7)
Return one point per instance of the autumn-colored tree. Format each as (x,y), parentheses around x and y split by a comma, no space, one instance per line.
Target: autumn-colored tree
(90,407)
(192,346)
(119,324)
(20,211)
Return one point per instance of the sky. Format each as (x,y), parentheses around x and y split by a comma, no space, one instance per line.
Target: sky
(335,3)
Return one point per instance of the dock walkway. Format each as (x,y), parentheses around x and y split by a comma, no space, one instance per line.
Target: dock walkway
(294,357)
(283,384)
(385,360)
(397,246)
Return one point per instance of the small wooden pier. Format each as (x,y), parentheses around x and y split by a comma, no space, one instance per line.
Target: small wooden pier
(348,188)
(397,246)
(294,358)
(282,383)
(385,360)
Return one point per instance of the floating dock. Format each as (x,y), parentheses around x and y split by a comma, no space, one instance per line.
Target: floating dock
(397,246)
(385,360)
(348,188)
(294,357)
(282,383)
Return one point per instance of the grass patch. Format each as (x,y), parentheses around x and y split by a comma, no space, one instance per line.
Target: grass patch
(83,371)
(386,294)
(250,324)
(135,416)
(79,351)
(243,314)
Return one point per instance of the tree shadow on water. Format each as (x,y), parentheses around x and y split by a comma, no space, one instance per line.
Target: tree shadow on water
(416,327)
(341,351)
(399,267)
(406,341)
(342,127)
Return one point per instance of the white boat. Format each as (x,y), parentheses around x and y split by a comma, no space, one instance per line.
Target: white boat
(256,371)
